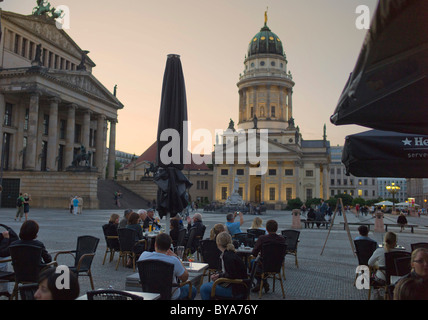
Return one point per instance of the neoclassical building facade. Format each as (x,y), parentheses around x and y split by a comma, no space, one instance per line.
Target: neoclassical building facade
(297,168)
(51,105)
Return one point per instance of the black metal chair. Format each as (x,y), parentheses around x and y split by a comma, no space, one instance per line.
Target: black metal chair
(247,283)
(210,254)
(27,291)
(126,245)
(272,259)
(157,277)
(83,256)
(364,250)
(112,244)
(256,232)
(111,294)
(27,265)
(188,246)
(417,245)
(402,265)
(5,277)
(181,241)
(390,270)
(292,241)
(247,239)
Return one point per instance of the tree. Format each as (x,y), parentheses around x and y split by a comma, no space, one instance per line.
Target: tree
(294,204)
(346,198)
(359,201)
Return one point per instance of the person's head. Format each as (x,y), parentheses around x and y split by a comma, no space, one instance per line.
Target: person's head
(127,212)
(114,218)
(411,289)
(224,241)
(219,227)
(143,214)
(162,242)
(257,223)
(390,240)
(419,262)
(363,230)
(150,213)
(48,288)
(29,230)
(175,224)
(133,218)
(197,217)
(230,217)
(271,226)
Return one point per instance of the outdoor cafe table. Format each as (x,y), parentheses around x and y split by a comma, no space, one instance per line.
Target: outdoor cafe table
(145,295)
(245,252)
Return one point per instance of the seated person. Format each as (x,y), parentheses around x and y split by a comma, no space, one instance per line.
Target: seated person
(378,257)
(311,216)
(150,219)
(219,227)
(164,253)
(174,230)
(233,268)
(402,221)
(196,222)
(110,229)
(133,223)
(28,235)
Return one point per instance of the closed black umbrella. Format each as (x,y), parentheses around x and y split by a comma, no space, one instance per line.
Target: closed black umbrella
(172,183)
(378,153)
(388,88)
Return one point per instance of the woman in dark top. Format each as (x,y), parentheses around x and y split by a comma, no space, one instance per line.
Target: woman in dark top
(174,230)
(133,224)
(110,229)
(233,268)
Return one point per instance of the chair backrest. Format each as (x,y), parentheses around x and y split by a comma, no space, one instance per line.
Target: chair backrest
(390,263)
(291,239)
(111,294)
(402,265)
(364,250)
(244,238)
(85,245)
(27,291)
(111,243)
(156,277)
(181,237)
(126,238)
(192,234)
(256,232)
(210,254)
(273,255)
(26,262)
(417,245)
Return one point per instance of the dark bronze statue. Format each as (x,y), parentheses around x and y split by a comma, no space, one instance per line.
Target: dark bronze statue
(151,169)
(82,156)
(255,122)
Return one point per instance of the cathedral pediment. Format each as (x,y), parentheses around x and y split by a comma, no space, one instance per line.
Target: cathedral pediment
(45,29)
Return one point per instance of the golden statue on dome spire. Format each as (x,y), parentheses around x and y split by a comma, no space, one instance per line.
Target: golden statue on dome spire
(266,17)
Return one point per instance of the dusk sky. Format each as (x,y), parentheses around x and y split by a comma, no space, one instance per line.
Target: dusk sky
(129,41)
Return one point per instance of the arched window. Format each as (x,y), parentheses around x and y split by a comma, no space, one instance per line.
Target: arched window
(262,112)
(272,112)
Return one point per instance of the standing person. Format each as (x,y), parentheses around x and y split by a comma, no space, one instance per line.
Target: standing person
(20,206)
(232,226)
(27,199)
(402,221)
(232,267)
(80,199)
(75,205)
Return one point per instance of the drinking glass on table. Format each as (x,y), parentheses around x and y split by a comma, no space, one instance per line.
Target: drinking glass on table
(180,251)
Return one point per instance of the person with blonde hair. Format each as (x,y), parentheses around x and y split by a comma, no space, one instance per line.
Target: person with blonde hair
(258,224)
(216,230)
(378,257)
(233,268)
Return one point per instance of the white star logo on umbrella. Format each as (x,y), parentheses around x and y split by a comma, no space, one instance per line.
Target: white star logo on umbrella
(407,142)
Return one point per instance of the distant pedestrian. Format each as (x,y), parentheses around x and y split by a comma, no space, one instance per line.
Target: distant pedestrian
(27,199)
(79,211)
(20,207)
(75,205)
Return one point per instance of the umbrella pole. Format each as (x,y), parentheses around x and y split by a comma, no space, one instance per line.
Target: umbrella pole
(167,223)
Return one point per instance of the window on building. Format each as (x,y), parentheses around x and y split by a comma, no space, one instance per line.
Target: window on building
(272,172)
(24,149)
(8,114)
(224,172)
(223,193)
(44,156)
(332,193)
(272,194)
(339,182)
(345,182)
(366,193)
(332,182)
(272,111)
(338,171)
(360,192)
(332,171)
(366,182)
(289,172)
(24,47)
(206,185)
(46,124)
(239,172)
(288,193)
(60,157)
(309,195)
(240,191)
(16,46)
(77,133)
(309,173)
(351,182)
(198,185)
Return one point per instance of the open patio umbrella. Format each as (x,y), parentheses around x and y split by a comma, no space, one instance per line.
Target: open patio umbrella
(387,89)
(378,153)
(171,148)
(384,203)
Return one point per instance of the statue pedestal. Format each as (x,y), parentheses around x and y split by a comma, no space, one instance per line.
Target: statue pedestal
(235,200)
(379,226)
(296,223)
(81,169)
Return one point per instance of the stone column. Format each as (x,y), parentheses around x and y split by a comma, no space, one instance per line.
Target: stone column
(112,149)
(99,154)
(268,111)
(317,174)
(247,197)
(2,111)
(33,117)
(325,180)
(86,128)
(290,104)
(69,135)
(53,135)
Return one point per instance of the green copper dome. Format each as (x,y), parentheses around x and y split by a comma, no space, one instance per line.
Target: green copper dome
(265,42)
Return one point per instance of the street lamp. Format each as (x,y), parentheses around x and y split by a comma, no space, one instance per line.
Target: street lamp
(393,189)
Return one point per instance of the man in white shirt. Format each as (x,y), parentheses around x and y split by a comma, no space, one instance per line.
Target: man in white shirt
(164,253)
